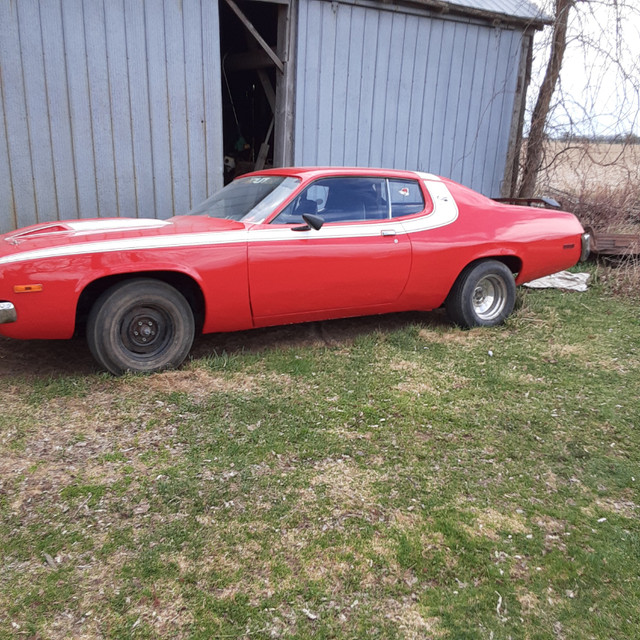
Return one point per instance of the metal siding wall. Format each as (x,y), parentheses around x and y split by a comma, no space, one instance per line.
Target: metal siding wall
(387,88)
(107,108)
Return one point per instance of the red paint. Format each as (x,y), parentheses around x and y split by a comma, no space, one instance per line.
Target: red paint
(248,280)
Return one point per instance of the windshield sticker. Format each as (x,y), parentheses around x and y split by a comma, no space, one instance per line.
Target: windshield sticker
(404,191)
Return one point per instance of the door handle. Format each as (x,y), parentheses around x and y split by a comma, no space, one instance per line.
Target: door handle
(388,232)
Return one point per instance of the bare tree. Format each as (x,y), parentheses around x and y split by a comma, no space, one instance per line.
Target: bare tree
(605,33)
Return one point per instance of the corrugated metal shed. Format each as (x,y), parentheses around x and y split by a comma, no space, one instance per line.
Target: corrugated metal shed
(521,9)
(107,108)
(386,85)
(115,108)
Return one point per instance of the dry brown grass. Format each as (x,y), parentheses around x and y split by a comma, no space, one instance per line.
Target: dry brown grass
(600,183)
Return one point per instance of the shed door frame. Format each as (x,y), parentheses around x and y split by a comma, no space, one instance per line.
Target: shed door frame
(261,55)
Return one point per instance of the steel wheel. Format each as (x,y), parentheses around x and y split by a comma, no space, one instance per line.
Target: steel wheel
(140,325)
(483,295)
(489,297)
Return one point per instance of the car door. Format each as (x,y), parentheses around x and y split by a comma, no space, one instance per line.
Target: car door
(357,262)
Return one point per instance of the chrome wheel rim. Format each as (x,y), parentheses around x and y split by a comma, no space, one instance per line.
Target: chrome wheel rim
(489,297)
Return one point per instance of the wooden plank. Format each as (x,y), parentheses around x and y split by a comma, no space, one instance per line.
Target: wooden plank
(615,244)
(514,145)
(477,111)
(308,107)
(248,60)
(392,108)
(486,98)
(254,32)
(283,140)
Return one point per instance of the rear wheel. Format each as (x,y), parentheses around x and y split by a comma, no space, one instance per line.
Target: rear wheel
(483,295)
(140,325)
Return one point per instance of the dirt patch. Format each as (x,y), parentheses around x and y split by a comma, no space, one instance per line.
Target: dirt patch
(52,358)
(406,614)
(345,483)
(492,524)
(622,507)
(453,336)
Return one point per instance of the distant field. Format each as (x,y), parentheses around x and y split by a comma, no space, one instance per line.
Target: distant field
(584,168)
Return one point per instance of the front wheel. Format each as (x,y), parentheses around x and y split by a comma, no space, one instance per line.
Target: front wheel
(140,325)
(483,295)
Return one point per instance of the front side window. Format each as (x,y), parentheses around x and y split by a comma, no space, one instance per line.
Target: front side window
(340,200)
(249,199)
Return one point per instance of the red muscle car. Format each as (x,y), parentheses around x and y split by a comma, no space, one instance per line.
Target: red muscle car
(275,247)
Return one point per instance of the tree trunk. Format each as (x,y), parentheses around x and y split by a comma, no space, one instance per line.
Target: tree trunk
(534,153)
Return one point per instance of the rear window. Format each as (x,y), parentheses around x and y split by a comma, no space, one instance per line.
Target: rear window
(406,198)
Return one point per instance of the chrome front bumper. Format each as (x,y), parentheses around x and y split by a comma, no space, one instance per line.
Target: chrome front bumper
(7,313)
(586,246)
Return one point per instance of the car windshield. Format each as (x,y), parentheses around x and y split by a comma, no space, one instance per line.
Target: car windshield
(248,199)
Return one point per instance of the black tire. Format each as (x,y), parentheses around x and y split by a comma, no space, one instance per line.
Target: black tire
(140,325)
(483,295)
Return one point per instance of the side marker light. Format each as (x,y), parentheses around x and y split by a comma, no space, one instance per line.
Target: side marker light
(27,288)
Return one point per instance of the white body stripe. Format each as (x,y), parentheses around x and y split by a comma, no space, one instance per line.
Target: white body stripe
(115,224)
(445,211)
(131,244)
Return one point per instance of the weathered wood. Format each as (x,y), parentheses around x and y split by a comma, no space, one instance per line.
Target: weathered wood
(248,60)
(514,147)
(615,244)
(254,32)
(283,137)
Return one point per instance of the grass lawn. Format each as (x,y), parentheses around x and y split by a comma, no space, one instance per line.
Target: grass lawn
(387,477)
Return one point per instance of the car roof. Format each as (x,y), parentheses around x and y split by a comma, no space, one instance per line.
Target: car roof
(308,173)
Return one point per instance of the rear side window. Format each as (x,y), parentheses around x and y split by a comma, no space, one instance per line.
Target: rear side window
(406,198)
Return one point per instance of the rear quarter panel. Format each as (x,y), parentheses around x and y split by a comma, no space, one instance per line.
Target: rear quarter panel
(539,240)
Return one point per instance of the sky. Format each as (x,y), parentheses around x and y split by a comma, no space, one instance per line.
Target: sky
(599,87)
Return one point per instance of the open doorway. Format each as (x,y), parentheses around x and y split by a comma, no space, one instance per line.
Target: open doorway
(255,44)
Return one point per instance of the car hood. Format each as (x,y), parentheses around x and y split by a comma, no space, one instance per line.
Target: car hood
(107,230)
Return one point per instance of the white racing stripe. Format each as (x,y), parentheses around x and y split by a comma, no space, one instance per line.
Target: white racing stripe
(131,244)
(445,211)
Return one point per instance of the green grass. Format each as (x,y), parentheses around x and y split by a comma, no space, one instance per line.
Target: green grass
(403,479)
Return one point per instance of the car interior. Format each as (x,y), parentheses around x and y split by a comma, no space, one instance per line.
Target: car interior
(355,199)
